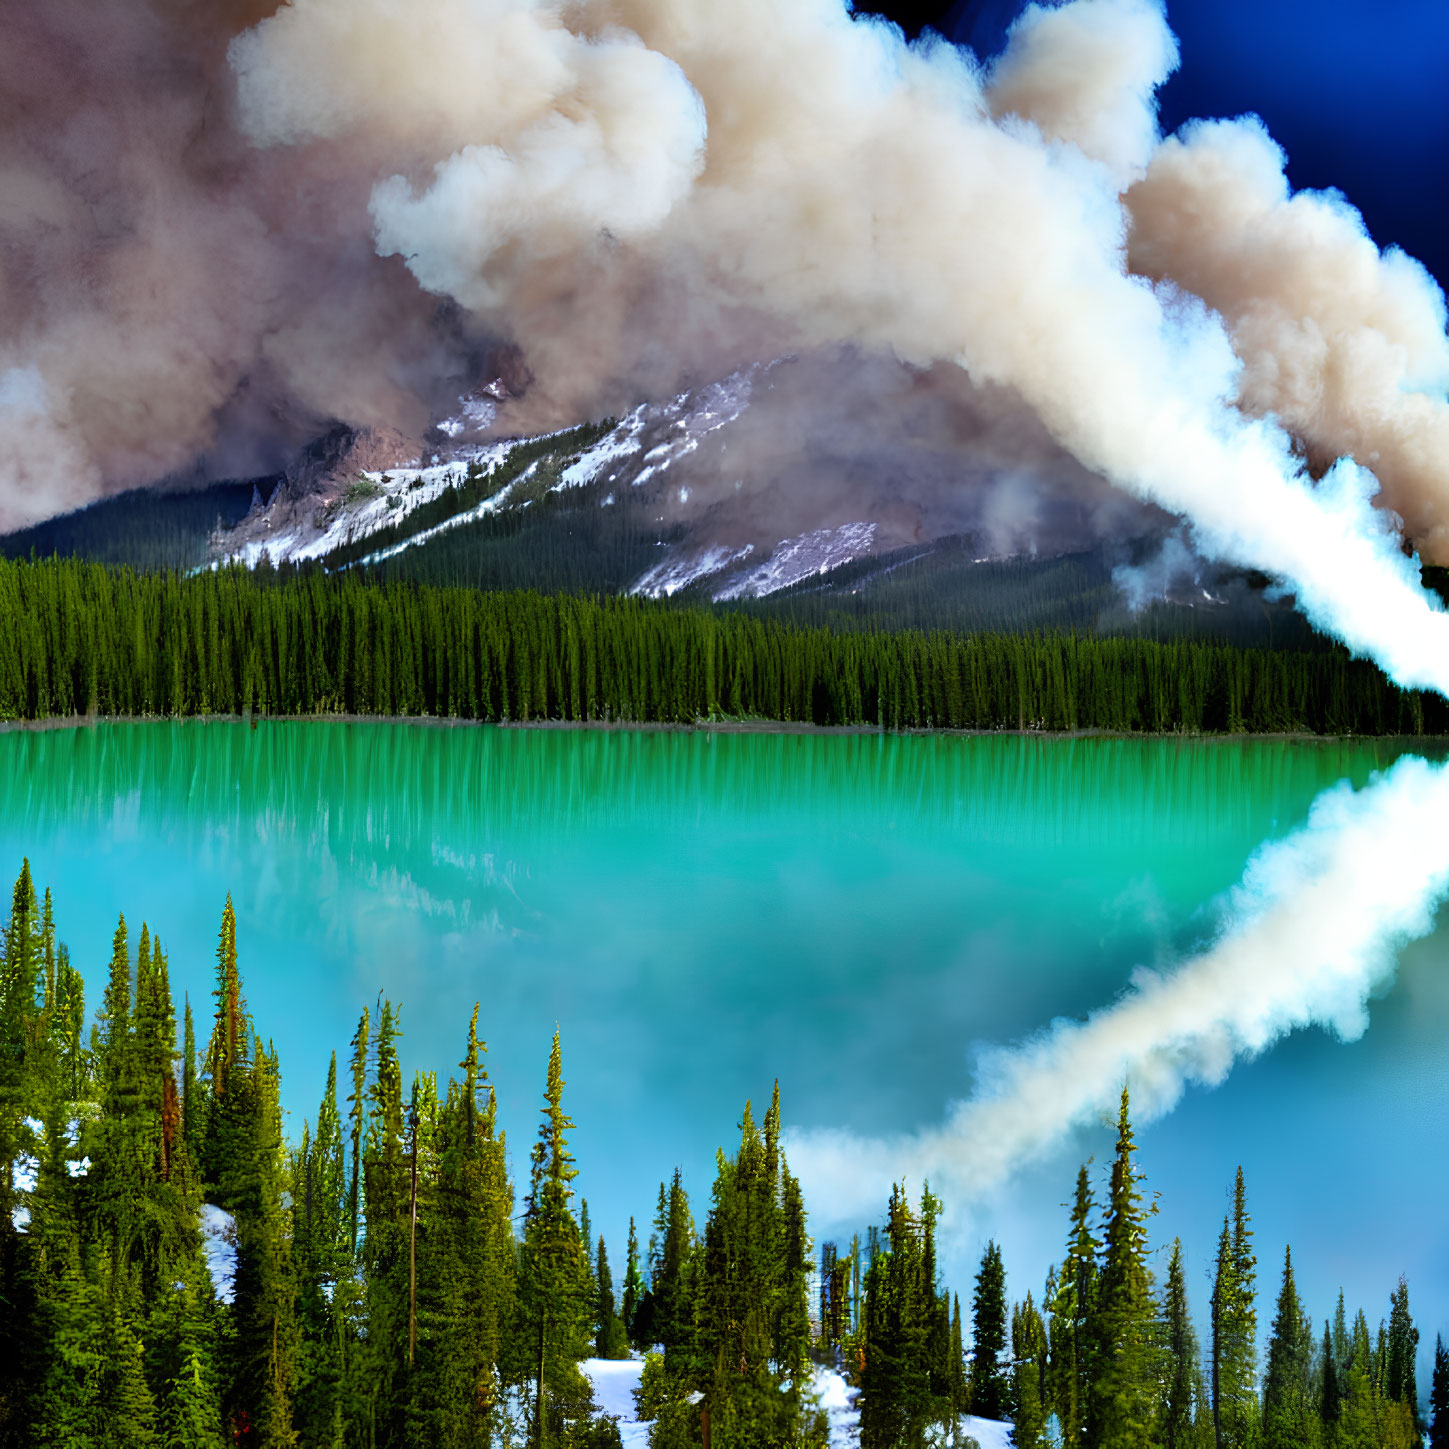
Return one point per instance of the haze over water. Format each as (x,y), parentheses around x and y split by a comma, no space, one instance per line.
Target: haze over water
(702,912)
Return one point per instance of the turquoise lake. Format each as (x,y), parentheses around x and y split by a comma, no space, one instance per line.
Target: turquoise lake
(702,912)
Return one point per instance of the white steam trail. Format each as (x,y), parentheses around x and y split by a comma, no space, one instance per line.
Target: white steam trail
(1316,924)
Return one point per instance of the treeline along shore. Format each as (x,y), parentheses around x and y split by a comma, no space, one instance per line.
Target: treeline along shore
(176,1274)
(83,639)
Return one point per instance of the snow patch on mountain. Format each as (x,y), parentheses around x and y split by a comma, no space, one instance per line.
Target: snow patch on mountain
(488,505)
(613,447)
(378,499)
(666,579)
(801,557)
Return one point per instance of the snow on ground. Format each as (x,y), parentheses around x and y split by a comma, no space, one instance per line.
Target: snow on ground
(666,579)
(688,417)
(807,554)
(476,413)
(988,1433)
(218,1242)
(399,492)
(613,447)
(614,1382)
(488,505)
(837,1398)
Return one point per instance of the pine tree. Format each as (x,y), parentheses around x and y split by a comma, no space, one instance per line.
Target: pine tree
(1183,1408)
(612,1340)
(895,1389)
(385,1251)
(465,1271)
(959,1398)
(1439,1398)
(990,1381)
(358,1119)
(747,1293)
(554,1277)
(1400,1381)
(1368,1419)
(1123,1403)
(1287,1399)
(1329,1393)
(1071,1310)
(1029,1355)
(321,1259)
(1234,1329)
(633,1288)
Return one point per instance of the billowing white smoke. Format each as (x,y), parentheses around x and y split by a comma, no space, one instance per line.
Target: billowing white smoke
(1086,74)
(851,189)
(1312,931)
(1346,347)
(1343,345)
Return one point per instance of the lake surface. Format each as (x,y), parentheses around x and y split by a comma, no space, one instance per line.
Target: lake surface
(700,913)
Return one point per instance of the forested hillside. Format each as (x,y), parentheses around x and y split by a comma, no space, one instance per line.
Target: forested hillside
(143,528)
(174,1273)
(80,639)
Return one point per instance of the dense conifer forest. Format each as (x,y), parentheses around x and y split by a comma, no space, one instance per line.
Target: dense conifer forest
(174,1273)
(78,639)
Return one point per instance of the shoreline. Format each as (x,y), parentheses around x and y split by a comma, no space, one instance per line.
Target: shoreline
(701,726)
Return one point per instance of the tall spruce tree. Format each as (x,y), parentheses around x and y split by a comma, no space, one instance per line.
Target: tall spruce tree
(1288,1409)
(895,1381)
(750,1309)
(1439,1397)
(1071,1310)
(553,1291)
(1029,1362)
(1329,1395)
(612,1341)
(1184,1409)
(1123,1407)
(633,1288)
(1400,1379)
(1234,1329)
(990,1374)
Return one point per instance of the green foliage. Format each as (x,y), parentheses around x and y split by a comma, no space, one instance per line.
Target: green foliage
(1072,1309)
(362,489)
(747,1354)
(1029,1367)
(143,528)
(1235,1329)
(901,1306)
(1185,1409)
(554,1281)
(1288,1410)
(1439,1398)
(990,1376)
(1123,1405)
(80,639)
(383,1296)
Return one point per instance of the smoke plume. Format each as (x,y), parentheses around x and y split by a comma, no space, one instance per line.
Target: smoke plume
(252,222)
(173,299)
(1344,346)
(786,172)
(1311,932)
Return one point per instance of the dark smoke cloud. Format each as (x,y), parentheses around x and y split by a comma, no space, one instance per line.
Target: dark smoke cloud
(171,297)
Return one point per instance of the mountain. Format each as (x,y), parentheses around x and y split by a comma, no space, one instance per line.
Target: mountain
(831,489)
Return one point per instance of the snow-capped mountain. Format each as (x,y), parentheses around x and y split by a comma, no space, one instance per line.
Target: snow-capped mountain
(359,486)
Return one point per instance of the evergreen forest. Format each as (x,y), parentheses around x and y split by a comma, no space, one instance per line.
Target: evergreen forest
(80,639)
(174,1272)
